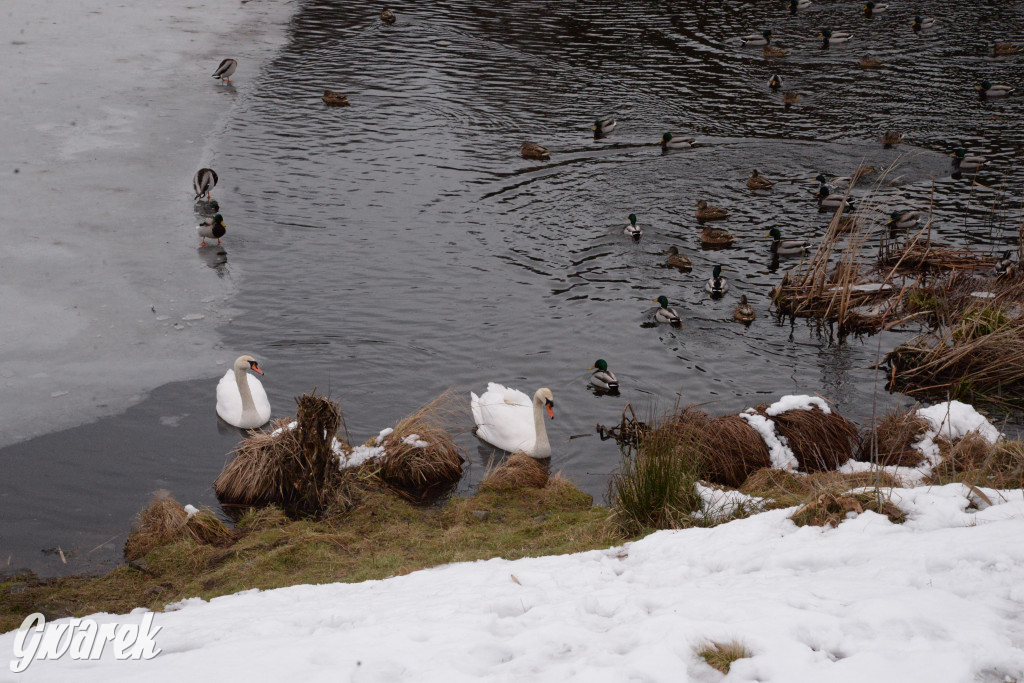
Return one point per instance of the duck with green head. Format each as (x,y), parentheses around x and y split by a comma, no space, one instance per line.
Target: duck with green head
(922,23)
(603,126)
(829,37)
(775,82)
(965,162)
(632,230)
(987,89)
(873,8)
(903,220)
(790,247)
(762,38)
(603,379)
(670,141)
(213,228)
(664,314)
(716,285)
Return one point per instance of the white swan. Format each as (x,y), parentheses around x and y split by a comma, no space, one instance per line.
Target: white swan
(241,400)
(504,419)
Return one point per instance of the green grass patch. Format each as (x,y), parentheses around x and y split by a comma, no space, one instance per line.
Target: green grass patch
(382,536)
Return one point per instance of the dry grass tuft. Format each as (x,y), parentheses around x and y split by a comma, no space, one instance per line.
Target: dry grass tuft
(892,440)
(165,521)
(830,508)
(729,449)
(297,469)
(721,655)
(819,440)
(261,518)
(974,461)
(519,471)
(790,488)
(424,472)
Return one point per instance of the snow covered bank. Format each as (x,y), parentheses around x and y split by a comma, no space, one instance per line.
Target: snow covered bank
(109,110)
(939,598)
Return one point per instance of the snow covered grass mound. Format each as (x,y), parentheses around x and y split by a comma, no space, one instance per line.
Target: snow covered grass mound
(935,599)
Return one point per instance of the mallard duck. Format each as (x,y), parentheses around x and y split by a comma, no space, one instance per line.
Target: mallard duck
(827,199)
(756,181)
(334,99)
(225,70)
(665,314)
(828,37)
(790,247)
(799,4)
(669,141)
(892,137)
(710,213)
(603,126)
(531,150)
(903,220)
(873,8)
(603,378)
(987,89)
(789,98)
(387,16)
(771,51)
(775,82)
(964,162)
(744,312)
(762,38)
(1005,49)
(922,23)
(871,63)
(203,181)
(716,284)
(632,230)
(715,237)
(677,260)
(213,228)
(1005,269)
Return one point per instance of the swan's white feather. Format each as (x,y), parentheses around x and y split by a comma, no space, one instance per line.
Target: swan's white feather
(229,401)
(504,418)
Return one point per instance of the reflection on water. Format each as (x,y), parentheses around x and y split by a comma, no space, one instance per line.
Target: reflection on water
(396,247)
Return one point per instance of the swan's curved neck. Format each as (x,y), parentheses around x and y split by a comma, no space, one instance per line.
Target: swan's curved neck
(541,447)
(248,406)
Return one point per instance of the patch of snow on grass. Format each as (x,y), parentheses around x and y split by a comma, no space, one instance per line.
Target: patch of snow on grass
(778,450)
(797,402)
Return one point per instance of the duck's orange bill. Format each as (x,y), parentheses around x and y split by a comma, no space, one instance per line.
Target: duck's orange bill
(551,412)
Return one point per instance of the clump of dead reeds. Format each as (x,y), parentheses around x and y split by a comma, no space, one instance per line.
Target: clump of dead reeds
(917,253)
(165,521)
(728,448)
(974,461)
(421,460)
(788,489)
(518,472)
(819,440)
(721,655)
(295,468)
(829,508)
(655,487)
(892,440)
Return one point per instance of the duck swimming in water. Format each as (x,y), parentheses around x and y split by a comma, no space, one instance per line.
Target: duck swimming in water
(964,162)
(716,285)
(744,312)
(705,212)
(790,247)
(677,260)
(632,230)
(670,141)
(603,379)
(763,38)
(603,126)
(756,181)
(664,314)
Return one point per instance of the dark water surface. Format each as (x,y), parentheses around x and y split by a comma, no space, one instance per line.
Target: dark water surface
(391,249)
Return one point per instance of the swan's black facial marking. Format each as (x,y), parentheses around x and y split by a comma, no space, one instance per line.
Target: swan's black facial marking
(549,402)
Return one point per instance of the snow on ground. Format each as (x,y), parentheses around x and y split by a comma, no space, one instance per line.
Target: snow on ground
(938,599)
(109,108)
(952,421)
